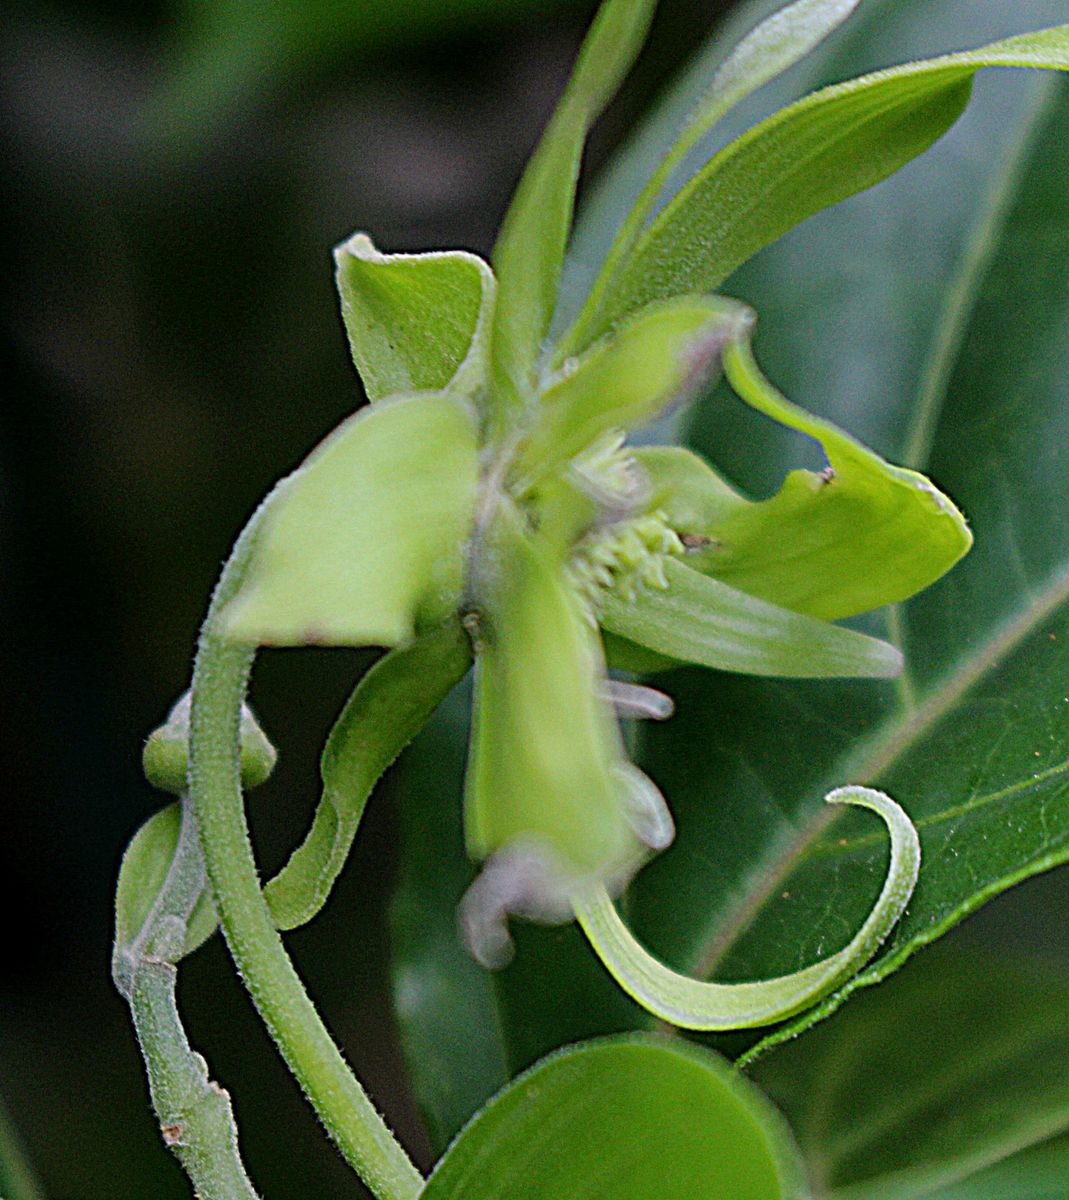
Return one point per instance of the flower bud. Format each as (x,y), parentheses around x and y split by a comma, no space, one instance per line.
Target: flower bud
(165,758)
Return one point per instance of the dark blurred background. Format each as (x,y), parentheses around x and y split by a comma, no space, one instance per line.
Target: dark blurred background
(175,175)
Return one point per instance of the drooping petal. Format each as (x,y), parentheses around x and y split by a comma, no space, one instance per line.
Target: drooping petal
(862,534)
(701,1005)
(364,543)
(702,620)
(415,321)
(548,797)
(544,743)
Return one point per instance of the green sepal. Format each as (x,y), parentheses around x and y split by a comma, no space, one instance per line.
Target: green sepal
(387,709)
(144,871)
(701,620)
(165,757)
(658,356)
(635,1117)
(544,745)
(363,544)
(804,158)
(529,253)
(416,322)
(829,544)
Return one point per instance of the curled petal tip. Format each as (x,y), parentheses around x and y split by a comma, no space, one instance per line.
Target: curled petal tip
(516,881)
(637,701)
(701,1005)
(650,817)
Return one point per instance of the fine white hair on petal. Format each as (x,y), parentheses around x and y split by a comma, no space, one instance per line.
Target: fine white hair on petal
(648,813)
(517,880)
(638,701)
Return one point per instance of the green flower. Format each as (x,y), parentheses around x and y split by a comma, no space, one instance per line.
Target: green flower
(557,547)
(487,507)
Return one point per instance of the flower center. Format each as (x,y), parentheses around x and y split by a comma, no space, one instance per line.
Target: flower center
(623,558)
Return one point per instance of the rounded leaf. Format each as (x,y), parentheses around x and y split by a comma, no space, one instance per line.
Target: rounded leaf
(631,1118)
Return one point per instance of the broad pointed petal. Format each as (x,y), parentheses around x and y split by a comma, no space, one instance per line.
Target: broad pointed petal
(831,544)
(364,542)
(544,743)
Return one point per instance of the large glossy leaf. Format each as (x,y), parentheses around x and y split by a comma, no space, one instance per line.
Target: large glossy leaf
(928,318)
(955,1064)
(631,1118)
(800,160)
(974,740)
(1038,1173)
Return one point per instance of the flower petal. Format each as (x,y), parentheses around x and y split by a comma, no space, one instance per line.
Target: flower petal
(832,544)
(545,747)
(656,358)
(364,542)
(701,620)
(415,321)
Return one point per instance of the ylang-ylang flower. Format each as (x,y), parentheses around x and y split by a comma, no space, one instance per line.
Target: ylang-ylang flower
(514,518)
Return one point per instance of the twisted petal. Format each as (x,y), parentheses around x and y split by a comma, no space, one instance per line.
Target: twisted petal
(696,1004)
(831,544)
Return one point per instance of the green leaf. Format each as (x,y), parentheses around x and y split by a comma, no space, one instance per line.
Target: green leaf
(1038,1173)
(803,159)
(529,252)
(451,1031)
(17,1178)
(701,620)
(973,740)
(385,712)
(364,542)
(658,356)
(957,1063)
(416,322)
(777,43)
(631,1118)
(145,868)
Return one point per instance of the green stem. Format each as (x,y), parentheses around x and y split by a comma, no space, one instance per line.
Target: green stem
(219,682)
(195,1116)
